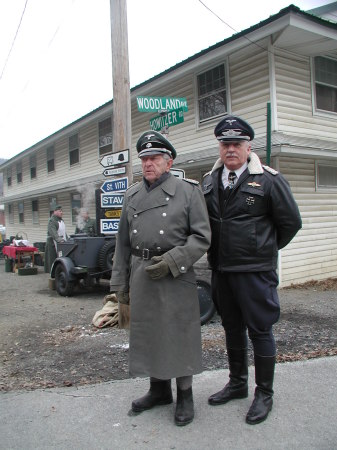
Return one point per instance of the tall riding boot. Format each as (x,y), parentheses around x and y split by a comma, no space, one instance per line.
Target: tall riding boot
(185,407)
(160,393)
(263,399)
(237,387)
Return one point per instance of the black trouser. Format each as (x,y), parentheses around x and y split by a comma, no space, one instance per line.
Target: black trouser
(247,300)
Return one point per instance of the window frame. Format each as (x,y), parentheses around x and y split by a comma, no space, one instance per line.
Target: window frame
(21,215)
(315,109)
(10,213)
(19,177)
(32,165)
(324,187)
(75,205)
(106,147)
(35,217)
(74,149)
(209,94)
(50,154)
(9,176)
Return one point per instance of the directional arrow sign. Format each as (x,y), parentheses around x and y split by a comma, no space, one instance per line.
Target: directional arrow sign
(116,185)
(113,159)
(155,104)
(112,200)
(117,171)
(169,119)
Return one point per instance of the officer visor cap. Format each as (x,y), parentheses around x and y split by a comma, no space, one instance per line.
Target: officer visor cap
(233,128)
(58,208)
(153,143)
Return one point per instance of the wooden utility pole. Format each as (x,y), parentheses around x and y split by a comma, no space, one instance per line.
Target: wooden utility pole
(121,115)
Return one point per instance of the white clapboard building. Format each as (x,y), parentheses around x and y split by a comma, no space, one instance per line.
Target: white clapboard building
(288,61)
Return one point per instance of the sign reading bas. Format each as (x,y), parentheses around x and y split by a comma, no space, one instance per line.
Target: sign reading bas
(109,226)
(155,104)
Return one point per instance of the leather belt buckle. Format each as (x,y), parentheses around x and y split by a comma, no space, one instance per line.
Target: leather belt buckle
(146,253)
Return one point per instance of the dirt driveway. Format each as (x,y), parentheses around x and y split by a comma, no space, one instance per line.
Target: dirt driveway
(48,341)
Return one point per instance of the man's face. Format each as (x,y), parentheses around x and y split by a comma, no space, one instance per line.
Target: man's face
(234,154)
(154,166)
(58,213)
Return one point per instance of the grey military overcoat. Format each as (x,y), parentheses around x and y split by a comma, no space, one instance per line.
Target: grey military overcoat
(165,335)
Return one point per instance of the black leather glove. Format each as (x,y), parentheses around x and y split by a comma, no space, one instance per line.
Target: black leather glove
(158,270)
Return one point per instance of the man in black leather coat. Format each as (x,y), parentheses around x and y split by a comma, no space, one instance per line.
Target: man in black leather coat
(253,215)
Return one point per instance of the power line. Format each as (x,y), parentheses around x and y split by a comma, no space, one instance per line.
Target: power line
(252,42)
(17,31)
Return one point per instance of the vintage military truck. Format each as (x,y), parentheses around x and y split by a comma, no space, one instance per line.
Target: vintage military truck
(82,257)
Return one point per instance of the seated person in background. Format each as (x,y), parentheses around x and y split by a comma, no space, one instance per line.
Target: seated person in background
(85,224)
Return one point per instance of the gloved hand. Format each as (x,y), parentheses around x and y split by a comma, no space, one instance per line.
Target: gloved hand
(158,270)
(121,296)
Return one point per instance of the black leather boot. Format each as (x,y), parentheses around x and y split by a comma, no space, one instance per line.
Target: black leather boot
(237,387)
(263,399)
(185,407)
(160,393)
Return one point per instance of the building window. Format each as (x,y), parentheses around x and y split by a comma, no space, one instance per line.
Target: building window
(52,204)
(35,211)
(10,213)
(75,206)
(32,163)
(326,83)
(21,212)
(19,172)
(326,176)
(212,98)
(105,136)
(74,152)
(50,159)
(9,176)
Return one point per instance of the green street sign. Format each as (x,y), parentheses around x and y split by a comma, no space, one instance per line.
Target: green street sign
(155,104)
(169,119)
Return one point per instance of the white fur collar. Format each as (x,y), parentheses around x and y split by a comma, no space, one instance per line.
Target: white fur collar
(254,164)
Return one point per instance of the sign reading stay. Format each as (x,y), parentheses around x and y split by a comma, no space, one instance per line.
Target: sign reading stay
(155,104)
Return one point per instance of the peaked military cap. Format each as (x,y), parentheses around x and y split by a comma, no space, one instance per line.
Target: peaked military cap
(58,208)
(233,128)
(153,143)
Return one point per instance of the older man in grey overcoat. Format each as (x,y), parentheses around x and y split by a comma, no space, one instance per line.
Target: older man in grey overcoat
(164,229)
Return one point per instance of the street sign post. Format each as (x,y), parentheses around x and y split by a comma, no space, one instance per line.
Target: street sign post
(115,185)
(112,200)
(155,104)
(167,120)
(114,159)
(109,226)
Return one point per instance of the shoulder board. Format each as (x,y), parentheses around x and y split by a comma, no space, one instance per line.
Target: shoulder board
(189,180)
(270,170)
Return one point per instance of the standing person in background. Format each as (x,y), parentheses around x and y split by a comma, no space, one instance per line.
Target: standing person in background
(85,224)
(163,231)
(253,215)
(56,233)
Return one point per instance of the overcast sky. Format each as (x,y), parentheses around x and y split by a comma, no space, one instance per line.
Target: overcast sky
(55,55)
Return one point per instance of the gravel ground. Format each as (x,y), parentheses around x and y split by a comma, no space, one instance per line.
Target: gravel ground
(48,341)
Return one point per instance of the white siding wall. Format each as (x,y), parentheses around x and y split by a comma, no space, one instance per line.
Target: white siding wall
(313,252)
(294,99)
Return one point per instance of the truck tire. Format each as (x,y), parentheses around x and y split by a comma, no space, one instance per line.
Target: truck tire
(105,255)
(207,308)
(62,284)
